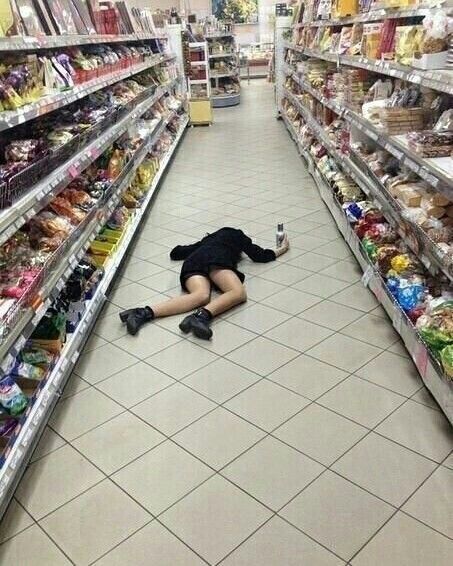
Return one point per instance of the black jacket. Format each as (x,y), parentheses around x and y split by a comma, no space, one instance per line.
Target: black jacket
(221,249)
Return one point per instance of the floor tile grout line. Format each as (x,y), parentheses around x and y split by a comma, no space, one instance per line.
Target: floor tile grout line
(180,381)
(93,562)
(34,522)
(182,541)
(41,528)
(400,510)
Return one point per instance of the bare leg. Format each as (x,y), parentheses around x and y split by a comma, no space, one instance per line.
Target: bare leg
(233,291)
(199,288)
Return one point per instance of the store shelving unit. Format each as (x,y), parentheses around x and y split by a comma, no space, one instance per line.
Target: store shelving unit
(437,172)
(11,118)
(31,424)
(255,59)
(29,43)
(200,105)
(223,52)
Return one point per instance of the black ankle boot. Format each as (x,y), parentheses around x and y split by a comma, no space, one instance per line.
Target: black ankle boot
(198,323)
(125,314)
(136,318)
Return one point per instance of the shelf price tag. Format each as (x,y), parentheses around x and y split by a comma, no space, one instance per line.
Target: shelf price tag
(73,171)
(412,165)
(366,277)
(420,357)
(397,320)
(94,152)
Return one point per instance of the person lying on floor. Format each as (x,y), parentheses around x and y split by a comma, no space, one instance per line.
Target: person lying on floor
(211,262)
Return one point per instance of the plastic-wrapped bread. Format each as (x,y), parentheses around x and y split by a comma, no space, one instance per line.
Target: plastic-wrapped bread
(410,196)
(432,210)
(436,199)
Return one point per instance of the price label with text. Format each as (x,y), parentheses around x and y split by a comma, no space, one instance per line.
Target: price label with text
(73,171)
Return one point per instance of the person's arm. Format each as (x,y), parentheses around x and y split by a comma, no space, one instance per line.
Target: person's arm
(262,255)
(183,252)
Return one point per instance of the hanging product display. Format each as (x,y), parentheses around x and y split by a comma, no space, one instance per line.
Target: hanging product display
(368,102)
(87,133)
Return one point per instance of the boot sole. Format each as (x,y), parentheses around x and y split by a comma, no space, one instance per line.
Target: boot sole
(203,335)
(132,331)
(124,315)
(185,327)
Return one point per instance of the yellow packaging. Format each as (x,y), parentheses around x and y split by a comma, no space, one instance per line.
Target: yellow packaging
(399,3)
(345,8)
(407,43)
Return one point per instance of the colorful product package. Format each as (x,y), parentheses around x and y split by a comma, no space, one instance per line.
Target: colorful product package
(11,396)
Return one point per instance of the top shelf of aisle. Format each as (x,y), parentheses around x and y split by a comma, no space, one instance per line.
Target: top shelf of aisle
(370,16)
(440,80)
(19,43)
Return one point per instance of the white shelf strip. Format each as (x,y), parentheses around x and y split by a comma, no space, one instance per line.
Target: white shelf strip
(18,43)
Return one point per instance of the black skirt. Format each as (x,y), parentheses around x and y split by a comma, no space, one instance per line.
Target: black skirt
(203,262)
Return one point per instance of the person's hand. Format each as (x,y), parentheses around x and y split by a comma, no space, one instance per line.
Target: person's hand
(284,246)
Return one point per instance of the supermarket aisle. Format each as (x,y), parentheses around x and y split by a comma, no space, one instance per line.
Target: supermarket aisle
(301,435)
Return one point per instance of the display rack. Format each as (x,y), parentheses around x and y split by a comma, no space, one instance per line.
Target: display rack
(28,43)
(224,69)
(198,83)
(11,118)
(18,447)
(255,59)
(300,104)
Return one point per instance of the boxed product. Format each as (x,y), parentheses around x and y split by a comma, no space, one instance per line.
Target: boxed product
(433,49)
(344,8)
(398,120)
(371,39)
(407,43)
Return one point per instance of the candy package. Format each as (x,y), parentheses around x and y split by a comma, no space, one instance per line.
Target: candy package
(11,396)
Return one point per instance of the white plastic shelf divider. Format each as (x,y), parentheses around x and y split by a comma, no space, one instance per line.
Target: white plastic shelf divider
(232,73)
(219,35)
(28,437)
(18,43)
(12,118)
(221,55)
(441,81)
(428,252)
(429,368)
(12,218)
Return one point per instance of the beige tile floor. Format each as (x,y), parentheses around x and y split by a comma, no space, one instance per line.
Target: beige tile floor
(302,435)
